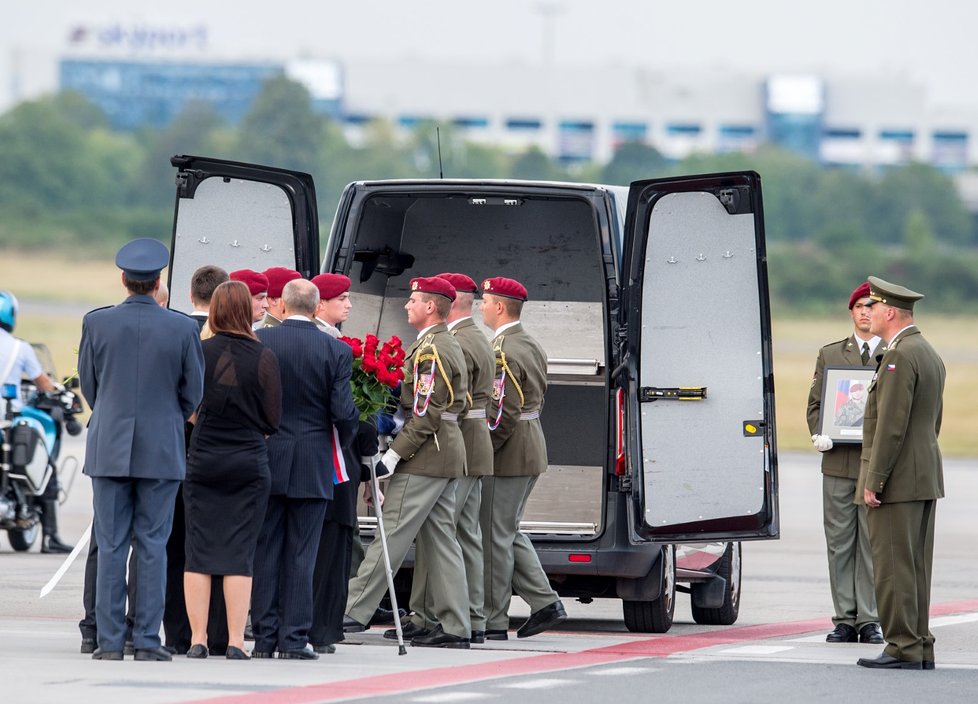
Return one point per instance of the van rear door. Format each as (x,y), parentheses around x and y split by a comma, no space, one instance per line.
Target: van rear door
(240,216)
(700,388)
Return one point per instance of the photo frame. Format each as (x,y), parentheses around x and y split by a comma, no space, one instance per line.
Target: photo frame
(844,392)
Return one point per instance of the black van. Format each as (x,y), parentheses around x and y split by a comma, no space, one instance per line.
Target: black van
(651,302)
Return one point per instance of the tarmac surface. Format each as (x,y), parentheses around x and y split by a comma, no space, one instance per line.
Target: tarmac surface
(775,652)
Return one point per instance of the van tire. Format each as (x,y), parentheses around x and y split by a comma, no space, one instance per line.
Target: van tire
(730,569)
(655,616)
(21,539)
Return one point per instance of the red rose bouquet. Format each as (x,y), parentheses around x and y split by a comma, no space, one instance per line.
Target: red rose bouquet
(376,370)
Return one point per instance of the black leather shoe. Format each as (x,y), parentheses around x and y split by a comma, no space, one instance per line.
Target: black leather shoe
(153,655)
(888,662)
(928,664)
(439,639)
(88,646)
(871,633)
(262,654)
(383,617)
(409,630)
(543,620)
(351,625)
(843,633)
(51,544)
(306,653)
(100,654)
(325,648)
(235,653)
(494,634)
(197,651)
(478,637)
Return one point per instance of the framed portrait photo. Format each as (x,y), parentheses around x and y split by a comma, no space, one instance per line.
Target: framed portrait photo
(844,392)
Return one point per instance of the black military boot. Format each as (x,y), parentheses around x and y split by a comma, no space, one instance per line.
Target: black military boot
(51,542)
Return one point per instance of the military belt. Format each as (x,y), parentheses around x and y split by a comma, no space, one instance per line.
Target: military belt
(530,415)
(450,417)
(476,413)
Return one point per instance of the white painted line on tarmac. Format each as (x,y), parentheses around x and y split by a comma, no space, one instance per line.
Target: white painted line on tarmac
(758,650)
(624,671)
(539,684)
(452,697)
(953,620)
(806,639)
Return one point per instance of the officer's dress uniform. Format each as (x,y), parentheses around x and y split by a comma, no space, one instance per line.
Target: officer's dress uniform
(520,458)
(480,365)
(901,462)
(420,498)
(135,446)
(846,530)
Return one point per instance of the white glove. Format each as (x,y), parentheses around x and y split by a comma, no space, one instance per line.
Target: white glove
(388,462)
(822,443)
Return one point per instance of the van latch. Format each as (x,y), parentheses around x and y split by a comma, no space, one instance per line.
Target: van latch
(679,393)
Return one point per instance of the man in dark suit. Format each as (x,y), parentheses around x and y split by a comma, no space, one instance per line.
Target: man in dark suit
(135,447)
(318,419)
(176,625)
(846,532)
(901,476)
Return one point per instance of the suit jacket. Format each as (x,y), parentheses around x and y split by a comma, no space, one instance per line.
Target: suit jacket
(438,358)
(901,460)
(343,508)
(316,396)
(843,459)
(521,380)
(481,366)
(142,371)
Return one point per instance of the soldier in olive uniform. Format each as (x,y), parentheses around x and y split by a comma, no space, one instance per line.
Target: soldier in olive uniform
(846,532)
(901,476)
(426,457)
(520,457)
(481,366)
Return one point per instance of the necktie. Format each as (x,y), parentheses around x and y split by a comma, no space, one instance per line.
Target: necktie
(865,354)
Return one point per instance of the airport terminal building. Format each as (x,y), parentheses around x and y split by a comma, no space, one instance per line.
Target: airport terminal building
(572,114)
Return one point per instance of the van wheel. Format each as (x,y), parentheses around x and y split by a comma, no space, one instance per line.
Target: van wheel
(727,613)
(655,616)
(21,539)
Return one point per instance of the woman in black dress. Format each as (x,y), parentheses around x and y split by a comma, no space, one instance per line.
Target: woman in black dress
(228,479)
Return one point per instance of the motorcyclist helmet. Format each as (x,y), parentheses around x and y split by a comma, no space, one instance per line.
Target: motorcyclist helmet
(8,311)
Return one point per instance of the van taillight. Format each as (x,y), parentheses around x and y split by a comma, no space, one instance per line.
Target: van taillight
(620,434)
(578,557)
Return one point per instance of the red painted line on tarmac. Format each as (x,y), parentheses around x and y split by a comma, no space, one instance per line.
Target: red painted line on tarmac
(661,646)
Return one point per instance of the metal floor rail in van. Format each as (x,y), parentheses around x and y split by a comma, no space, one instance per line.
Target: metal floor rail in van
(531,527)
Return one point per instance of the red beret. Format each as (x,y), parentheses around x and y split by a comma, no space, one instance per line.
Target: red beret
(277,277)
(861,292)
(254,280)
(501,286)
(433,284)
(461,282)
(331,285)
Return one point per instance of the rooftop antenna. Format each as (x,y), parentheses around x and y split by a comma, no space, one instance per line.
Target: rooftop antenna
(441,171)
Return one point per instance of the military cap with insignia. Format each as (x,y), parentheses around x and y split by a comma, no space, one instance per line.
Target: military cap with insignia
(461,282)
(277,277)
(142,259)
(433,284)
(501,286)
(891,294)
(331,285)
(254,280)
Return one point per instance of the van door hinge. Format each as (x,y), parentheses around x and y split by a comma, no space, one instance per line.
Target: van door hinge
(679,393)
(625,484)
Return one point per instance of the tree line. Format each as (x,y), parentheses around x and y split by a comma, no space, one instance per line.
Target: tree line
(67,180)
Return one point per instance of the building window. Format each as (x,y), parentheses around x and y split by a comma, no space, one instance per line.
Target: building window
(523,124)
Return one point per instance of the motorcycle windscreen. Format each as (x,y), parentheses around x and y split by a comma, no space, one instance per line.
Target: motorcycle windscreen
(705,416)
(239,216)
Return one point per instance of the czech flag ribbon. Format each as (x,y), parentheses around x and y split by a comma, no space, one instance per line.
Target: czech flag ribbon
(340,475)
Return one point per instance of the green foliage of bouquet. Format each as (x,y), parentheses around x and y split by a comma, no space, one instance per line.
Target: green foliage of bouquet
(376,370)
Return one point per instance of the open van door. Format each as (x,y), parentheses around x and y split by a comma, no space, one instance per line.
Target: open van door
(700,387)
(240,216)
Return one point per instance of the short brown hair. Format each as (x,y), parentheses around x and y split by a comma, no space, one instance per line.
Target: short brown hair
(443,304)
(231,309)
(512,306)
(203,282)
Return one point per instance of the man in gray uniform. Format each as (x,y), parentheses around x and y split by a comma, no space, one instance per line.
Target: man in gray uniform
(846,532)
(520,458)
(141,369)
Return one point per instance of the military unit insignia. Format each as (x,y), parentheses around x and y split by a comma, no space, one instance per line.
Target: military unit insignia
(414,285)
(498,387)
(424,385)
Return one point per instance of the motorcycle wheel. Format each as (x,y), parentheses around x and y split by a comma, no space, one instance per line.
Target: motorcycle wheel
(21,539)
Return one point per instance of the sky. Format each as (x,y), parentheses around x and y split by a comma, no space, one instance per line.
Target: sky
(931,44)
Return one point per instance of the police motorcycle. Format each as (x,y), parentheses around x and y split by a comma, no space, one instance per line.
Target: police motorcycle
(29,453)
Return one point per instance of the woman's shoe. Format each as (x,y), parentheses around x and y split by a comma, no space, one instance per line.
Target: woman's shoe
(235,653)
(197,651)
